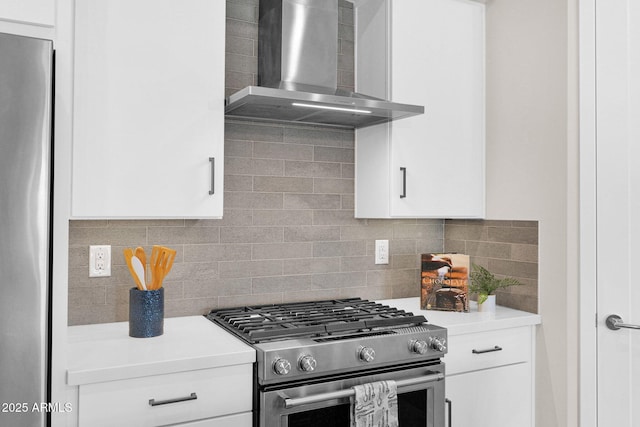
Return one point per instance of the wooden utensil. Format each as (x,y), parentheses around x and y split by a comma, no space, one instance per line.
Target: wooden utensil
(153,264)
(167,263)
(161,262)
(128,254)
(143,259)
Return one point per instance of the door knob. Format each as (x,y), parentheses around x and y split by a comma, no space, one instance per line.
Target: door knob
(614,322)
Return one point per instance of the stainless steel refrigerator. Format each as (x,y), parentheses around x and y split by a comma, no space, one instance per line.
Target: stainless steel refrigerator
(26,95)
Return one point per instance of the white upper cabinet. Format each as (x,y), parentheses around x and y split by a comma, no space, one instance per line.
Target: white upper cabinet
(430,53)
(148,109)
(38,12)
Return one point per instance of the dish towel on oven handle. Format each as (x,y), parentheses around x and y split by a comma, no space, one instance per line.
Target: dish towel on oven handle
(375,405)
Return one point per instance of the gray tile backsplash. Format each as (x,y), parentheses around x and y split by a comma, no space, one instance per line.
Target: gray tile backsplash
(506,248)
(288,232)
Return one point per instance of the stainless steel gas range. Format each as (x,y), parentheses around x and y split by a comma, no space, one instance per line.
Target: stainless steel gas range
(310,356)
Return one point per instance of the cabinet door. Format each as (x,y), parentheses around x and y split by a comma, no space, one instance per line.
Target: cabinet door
(437,60)
(148,109)
(491,397)
(432,165)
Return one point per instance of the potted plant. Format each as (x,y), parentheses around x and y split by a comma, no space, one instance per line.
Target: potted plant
(484,283)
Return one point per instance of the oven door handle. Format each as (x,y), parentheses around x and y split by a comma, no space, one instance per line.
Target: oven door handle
(315,398)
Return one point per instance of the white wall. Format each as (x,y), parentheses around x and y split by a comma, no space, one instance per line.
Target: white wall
(532,172)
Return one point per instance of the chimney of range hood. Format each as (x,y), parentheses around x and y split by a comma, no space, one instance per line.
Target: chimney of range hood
(298,45)
(298,72)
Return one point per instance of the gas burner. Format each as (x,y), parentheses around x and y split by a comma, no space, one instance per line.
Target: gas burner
(314,319)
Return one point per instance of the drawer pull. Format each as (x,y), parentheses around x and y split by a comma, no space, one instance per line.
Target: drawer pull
(153,402)
(489,350)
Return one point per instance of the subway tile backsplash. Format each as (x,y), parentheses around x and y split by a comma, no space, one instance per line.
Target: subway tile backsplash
(506,248)
(288,232)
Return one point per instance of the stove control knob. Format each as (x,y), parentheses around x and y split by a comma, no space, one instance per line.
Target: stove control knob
(307,363)
(366,354)
(437,344)
(418,346)
(281,366)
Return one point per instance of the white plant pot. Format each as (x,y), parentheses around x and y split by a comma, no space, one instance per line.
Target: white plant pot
(489,306)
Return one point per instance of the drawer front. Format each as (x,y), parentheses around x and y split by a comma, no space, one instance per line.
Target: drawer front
(167,399)
(237,420)
(490,349)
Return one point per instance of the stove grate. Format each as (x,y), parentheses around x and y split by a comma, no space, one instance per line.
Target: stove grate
(310,319)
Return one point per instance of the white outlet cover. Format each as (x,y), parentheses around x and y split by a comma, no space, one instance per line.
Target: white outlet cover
(100,261)
(382,252)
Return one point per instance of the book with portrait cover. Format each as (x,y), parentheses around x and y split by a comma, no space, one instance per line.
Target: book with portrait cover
(444,282)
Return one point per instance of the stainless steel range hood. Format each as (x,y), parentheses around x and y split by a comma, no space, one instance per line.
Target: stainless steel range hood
(297,72)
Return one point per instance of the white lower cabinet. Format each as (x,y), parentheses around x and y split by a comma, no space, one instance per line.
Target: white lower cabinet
(490,378)
(220,397)
(491,397)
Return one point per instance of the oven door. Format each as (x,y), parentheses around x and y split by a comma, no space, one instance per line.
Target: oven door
(327,402)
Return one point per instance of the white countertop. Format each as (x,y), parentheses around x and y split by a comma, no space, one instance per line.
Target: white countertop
(464,323)
(106,352)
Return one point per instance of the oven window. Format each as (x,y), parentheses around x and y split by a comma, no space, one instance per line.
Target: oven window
(334,416)
(412,409)
(412,412)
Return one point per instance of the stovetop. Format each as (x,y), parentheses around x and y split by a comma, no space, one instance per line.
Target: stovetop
(329,318)
(297,341)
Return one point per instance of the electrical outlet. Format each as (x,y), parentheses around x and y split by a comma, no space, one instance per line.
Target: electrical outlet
(382,252)
(100,261)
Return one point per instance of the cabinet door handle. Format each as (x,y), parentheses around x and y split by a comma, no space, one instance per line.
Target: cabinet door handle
(212,190)
(404,182)
(489,350)
(449,410)
(153,402)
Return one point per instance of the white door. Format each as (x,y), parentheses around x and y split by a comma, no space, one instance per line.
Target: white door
(618,209)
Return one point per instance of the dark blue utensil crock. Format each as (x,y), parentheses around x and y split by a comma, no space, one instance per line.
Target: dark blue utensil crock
(146,313)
